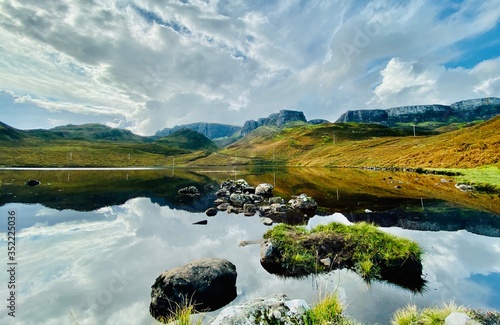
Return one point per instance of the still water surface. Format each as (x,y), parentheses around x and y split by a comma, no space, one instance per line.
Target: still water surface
(91,243)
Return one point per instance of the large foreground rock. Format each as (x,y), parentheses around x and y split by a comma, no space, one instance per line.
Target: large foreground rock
(274,309)
(208,284)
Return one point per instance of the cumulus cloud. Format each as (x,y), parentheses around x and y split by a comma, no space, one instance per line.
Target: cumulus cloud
(411,82)
(114,60)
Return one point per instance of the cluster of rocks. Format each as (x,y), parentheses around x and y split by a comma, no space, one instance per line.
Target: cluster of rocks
(239,197)
(274,309)
(209,284)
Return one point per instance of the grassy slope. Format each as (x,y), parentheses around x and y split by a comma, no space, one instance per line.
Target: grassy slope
(90,132)
(368,145)
(97,146)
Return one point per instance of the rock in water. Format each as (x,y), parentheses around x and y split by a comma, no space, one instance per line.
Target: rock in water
(189,191)
(264,189)
(208,284)
(211,212)
(304,203)
(457,318)
(274,309)
(33,182)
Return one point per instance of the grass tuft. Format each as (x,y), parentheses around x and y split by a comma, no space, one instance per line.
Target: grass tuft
(410,315)
(406,316)
(329,310)
(182,316)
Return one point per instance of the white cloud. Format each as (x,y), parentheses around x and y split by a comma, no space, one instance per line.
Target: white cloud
(110,60)
(410,83)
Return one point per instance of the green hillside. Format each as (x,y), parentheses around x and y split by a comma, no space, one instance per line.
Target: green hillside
(93,132)
(10,134)
(365,145)
(189,140)
(94,145)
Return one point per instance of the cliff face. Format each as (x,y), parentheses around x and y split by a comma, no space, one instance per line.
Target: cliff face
(364,116)
(463,111)
(276,119)
(481,108)
(210,130)
(216,130)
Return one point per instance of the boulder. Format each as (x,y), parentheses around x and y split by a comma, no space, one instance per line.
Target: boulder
(304,203)
(223,206)
(222,192)
(249,209)
(274,309)
(264,189)
(239,199)
(220,201)
(271,258)
(464,187)
(208,284)
(281,213)
(189,191)
(211,212)
(276,199)
(267,221)
(256,198)
(231,209)
(458,318)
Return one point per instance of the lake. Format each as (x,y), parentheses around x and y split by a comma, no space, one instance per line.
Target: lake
(91,243)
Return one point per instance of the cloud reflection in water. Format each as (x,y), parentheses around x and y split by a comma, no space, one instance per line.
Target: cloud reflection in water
(98,266)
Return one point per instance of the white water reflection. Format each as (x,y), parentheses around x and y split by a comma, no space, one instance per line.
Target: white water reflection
(97,267)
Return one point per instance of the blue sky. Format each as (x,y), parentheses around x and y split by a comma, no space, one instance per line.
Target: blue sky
(145,65)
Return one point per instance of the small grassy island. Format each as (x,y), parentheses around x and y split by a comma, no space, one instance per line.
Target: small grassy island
(370,252)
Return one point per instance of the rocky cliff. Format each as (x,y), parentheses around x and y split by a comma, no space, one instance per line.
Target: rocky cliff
(217,131)
(210,130)
(276,119)
(463,111)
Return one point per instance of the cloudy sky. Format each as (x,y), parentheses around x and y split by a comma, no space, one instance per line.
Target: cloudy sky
(145,65)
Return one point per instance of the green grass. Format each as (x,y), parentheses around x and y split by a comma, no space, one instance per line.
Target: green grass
(485,178)
(329,310)
(410,315)
(362,247)
(73,153)
(94,145)
(182,316)
(362,145)
(372,248)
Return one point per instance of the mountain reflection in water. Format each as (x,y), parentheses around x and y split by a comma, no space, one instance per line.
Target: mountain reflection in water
(92,242)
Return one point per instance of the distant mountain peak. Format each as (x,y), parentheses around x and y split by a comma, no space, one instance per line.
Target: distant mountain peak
(210,130)
(462,111)
(276,119)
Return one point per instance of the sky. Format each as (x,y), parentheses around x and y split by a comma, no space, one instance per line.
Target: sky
(145,65)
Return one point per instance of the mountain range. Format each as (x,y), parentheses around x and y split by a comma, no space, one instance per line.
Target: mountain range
(459,112)
(285,137)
